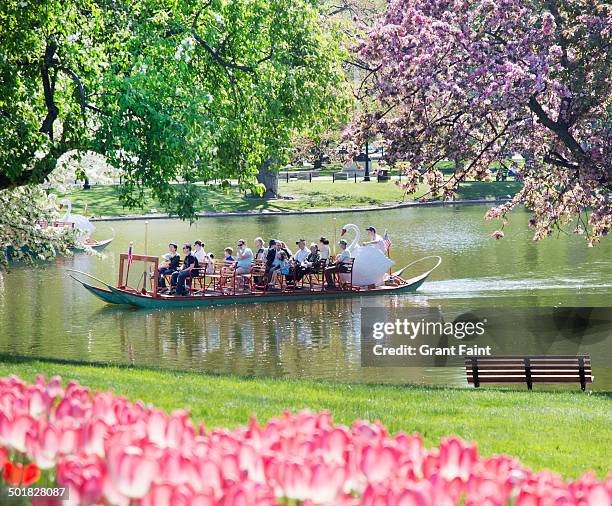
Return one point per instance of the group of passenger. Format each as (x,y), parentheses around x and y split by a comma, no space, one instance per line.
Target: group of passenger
(276,256)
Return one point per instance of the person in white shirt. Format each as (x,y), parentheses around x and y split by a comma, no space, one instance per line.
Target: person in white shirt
(201,256)
(244,255)
(375,239)
(324,248)
(302,253)
(339,266)
(261,251)
(199,252)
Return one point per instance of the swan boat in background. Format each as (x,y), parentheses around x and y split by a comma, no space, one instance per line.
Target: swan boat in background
(83,225)
(123,294)
(79,222)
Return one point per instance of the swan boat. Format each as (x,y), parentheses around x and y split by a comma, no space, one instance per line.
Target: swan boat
(86,228)
(122,294)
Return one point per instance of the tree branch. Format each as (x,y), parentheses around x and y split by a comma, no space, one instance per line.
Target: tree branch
(218,58)
(558,128)
(80,87)
(48,88)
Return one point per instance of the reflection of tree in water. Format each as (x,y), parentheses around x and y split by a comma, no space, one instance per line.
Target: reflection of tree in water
(302,339)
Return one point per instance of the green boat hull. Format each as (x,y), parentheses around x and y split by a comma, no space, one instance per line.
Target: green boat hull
(114,295)
(149,302)
(105,295)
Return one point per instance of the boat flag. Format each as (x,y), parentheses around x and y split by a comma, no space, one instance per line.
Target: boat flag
(387,241)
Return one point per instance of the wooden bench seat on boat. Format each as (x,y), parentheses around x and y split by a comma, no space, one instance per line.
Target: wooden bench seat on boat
(529,370)
(345,279)
(252,278)
(316,278)
(223,278)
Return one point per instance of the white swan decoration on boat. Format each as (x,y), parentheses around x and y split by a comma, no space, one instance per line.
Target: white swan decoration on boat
(371,264)
(80,222)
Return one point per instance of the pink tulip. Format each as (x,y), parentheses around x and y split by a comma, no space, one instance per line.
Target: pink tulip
(158,495)
(94,433)
(456,458)
(378,463)
(599,496)
(70,436)
(54,387)
(335,444)
(251,462)
(157,424)
(131,470)
(13,431)
(84,476)
(248,494)
(107,449)
(43,444)
(40,401)
(326,483)
(179,427)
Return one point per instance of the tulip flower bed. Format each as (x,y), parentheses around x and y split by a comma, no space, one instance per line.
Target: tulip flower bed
(107,450)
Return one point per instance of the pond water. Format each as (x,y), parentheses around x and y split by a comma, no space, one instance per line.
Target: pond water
(44,313)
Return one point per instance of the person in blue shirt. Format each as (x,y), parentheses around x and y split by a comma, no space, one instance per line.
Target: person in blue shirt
(282,267)
(228,254)
(245,258)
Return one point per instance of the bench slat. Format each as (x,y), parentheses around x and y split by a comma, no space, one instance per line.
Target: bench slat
(523,373)
(531,357)
(534,377)
(534,362)
(517,379)
(572,367)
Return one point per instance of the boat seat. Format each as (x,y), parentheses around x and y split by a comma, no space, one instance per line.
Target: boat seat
(316,279)
(223,279)
(284,278)
(258,270)
(345,279)
(199,278)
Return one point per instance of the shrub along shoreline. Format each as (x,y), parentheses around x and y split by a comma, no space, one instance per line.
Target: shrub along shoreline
(564,431)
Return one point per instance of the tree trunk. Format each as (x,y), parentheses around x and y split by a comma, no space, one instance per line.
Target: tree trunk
(268,176)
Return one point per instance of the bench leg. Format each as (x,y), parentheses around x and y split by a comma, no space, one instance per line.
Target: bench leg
(528,373)
(475,372)
(581,373)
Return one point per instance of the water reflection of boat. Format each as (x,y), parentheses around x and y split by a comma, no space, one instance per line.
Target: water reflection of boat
(151,299)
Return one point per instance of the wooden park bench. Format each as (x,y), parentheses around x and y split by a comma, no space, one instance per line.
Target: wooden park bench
(529,370)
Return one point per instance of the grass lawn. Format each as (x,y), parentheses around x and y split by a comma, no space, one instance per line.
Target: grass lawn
(103,200)
(566,431)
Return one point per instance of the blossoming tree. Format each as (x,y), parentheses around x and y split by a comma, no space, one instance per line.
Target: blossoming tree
(480,81)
